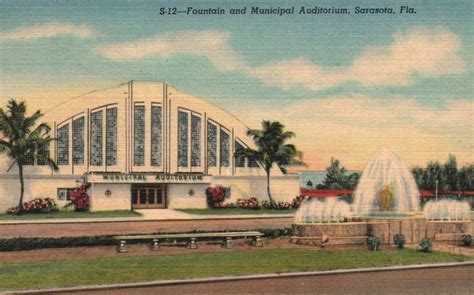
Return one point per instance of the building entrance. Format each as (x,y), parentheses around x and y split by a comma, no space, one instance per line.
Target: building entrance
(149,196)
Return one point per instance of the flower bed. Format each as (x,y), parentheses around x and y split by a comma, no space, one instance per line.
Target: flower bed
(37,205)
(217,195)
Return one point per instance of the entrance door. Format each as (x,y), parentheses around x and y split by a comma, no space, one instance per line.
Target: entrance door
(148,197)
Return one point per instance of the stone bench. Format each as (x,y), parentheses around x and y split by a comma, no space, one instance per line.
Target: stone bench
(191,238)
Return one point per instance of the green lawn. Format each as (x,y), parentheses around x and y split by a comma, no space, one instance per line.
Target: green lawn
(71,214)
(236,211)
(148,268)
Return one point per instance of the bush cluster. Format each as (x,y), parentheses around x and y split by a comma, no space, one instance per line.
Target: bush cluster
(17,244)
(426,245)
(251,203)
(216,196)
(373,242)
(37,205)
(467,240)
(80,199)
(399,240)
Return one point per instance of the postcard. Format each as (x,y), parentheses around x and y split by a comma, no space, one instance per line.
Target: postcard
(247,147)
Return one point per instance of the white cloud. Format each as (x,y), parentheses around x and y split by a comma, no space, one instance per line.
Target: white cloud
(417,51)
(210,44)
(48,30)
(300,71)
(353,128)
(427,53)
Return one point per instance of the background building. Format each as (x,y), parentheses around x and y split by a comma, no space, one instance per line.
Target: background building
(144,145)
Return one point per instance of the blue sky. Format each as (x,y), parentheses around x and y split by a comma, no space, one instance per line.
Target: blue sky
(346,84)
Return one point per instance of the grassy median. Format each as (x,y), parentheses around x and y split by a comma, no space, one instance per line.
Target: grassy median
(50,274)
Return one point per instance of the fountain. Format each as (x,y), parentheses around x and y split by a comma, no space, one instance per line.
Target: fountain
(315,211)
(386,202)
(387,185)
(449,210)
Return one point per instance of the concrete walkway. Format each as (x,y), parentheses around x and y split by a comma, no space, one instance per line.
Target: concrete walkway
(105,226)
(170,214)
(147,215)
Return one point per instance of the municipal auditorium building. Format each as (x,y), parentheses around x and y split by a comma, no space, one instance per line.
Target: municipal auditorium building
(143,145)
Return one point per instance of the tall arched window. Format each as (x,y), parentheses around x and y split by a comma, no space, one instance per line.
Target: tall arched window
(63,145)
(183,139)
(111,137)
(156,135)
(96,139)
(225,149)
(195,141)
(211,145)
(78,141)
(139,135)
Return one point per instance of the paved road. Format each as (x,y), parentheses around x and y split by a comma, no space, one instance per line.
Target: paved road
(449,280)
(126,227)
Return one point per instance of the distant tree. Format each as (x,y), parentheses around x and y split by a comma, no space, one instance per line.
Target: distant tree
(466,178)
(434,172)
(448,175)
(309,183)
(335,176)
(352,180)
(451,173)
(418,173)
(22,141)
(272,149)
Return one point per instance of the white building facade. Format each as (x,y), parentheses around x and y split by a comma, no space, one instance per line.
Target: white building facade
(144,145)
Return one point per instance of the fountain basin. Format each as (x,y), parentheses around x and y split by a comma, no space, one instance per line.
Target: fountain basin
(413,228)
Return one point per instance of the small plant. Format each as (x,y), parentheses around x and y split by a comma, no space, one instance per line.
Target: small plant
(399,240)
(426,245)
(373,242)
(467,240)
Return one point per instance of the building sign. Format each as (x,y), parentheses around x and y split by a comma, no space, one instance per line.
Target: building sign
(124,177)
(179,177)
(147,178)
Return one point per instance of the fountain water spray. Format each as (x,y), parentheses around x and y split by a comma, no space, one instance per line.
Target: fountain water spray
(386,171)
(315,211)
(449,210)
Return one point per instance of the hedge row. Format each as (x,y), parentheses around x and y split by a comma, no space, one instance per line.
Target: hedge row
(18,244)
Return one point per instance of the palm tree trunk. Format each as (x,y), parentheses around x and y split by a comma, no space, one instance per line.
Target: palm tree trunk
(22,188)
(268,190)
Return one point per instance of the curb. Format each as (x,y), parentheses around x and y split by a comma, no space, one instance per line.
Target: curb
(139,219)
(238,278)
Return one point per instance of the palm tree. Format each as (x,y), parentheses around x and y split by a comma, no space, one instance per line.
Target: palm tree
(22,141)
(272,149)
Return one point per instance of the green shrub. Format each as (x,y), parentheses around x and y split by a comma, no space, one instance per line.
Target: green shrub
(399,240)
(17,244)
(276,233)
(373,242)
(467,240)
(426,245)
